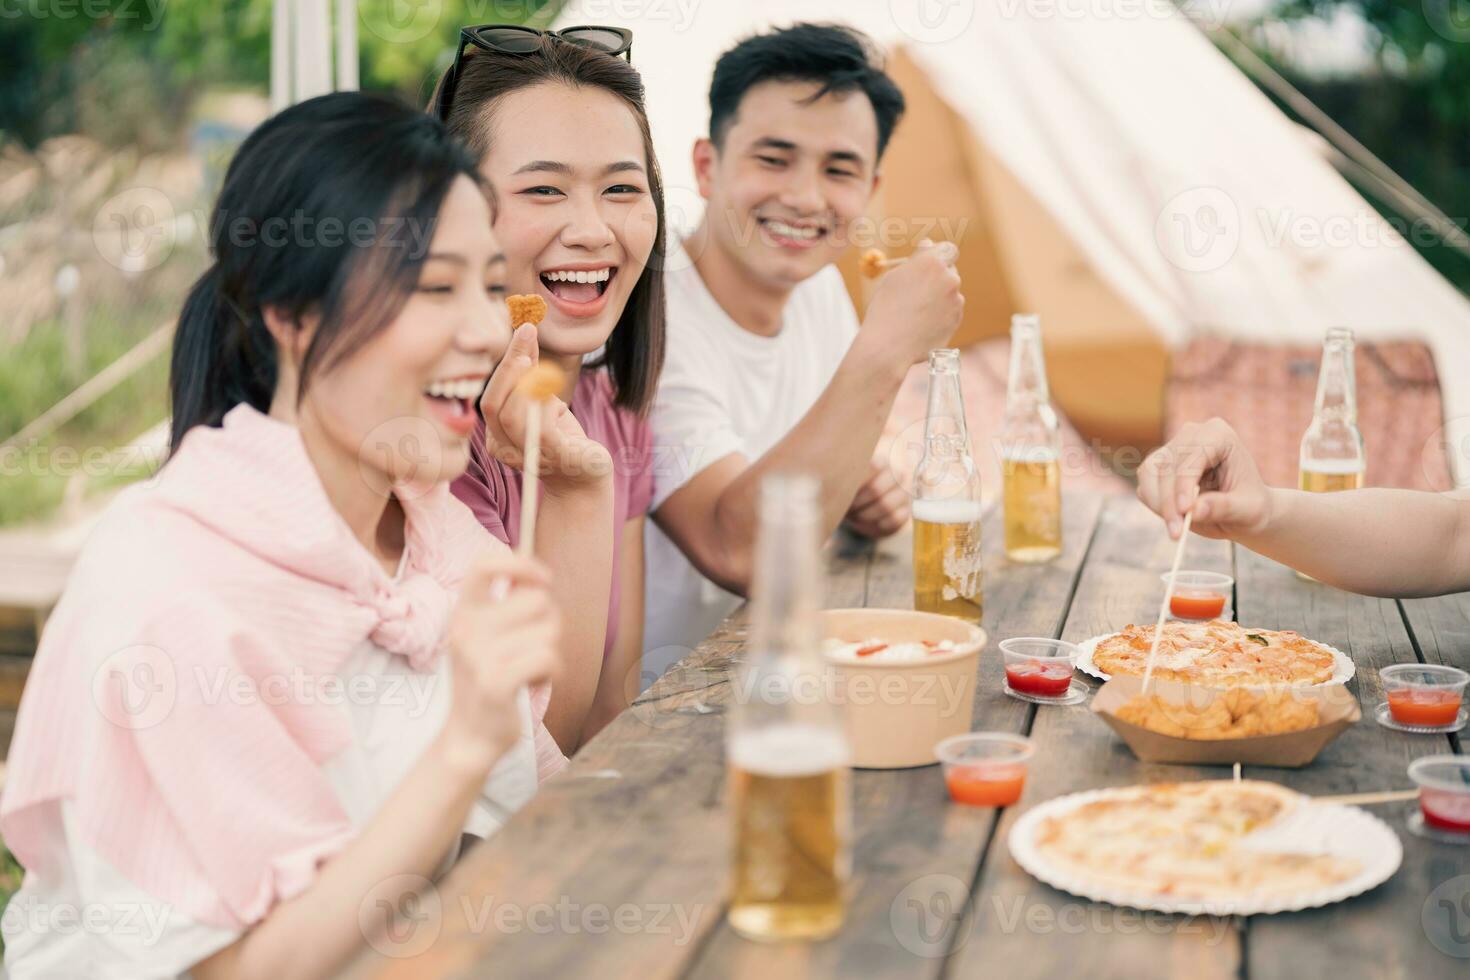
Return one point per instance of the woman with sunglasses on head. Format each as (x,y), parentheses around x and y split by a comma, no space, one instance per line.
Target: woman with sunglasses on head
(290,672)
(560,123)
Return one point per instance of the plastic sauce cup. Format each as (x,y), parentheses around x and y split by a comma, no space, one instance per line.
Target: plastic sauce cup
(1200,595)
(1444,791)
(1427,695)
(1039,666)
(985,768)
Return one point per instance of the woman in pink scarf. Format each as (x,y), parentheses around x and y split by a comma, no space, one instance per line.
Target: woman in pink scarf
(291,671)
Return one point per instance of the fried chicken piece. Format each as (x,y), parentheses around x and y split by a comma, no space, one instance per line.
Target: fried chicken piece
(526,309)
(872,263)
(543,381)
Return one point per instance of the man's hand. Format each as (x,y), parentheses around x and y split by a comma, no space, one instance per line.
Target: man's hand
(1207,459)
(917,306)
(881,506)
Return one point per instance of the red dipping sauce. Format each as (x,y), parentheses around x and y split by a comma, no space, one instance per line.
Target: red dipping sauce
(1445,809)
(1197,606)
(1424,706)
(986,785)
(1039,678)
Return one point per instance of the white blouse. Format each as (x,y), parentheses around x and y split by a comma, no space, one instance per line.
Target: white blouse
(76,915)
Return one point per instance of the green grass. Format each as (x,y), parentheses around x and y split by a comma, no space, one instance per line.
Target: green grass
(34,376)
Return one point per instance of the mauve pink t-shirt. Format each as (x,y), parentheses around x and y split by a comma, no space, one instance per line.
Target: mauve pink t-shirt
(493,490)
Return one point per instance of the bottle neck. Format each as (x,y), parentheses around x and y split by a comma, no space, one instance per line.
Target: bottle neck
(1026,382)
(785,589)
(945,432)
(1337,396)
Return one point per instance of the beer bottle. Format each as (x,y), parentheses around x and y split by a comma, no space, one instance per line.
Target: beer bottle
(1030,451)
(1332,456)
(947,561)
(786,749)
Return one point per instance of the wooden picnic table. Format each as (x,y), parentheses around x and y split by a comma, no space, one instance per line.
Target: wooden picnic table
(619,867)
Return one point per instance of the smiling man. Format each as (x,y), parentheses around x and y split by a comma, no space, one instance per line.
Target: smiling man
(767,368)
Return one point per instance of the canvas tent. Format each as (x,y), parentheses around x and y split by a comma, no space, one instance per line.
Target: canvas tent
(1107,168)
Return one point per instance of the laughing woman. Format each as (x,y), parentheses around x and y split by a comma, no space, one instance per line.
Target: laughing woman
(292,670)
(560,124)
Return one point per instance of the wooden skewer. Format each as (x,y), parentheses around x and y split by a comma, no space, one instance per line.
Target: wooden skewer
(874,263)
(1362,799)
(1153,651)
(541,384)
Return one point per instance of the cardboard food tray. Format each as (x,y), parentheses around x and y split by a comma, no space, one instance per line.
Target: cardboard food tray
(1337,708)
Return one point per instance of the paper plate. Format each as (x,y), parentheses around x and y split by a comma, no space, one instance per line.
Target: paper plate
(1343,667)
(1345,831)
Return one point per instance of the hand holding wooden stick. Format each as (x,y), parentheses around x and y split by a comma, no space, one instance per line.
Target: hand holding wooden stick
(540,384)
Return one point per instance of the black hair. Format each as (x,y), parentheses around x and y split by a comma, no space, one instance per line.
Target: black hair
(634,352)
(841,58)
(327,209)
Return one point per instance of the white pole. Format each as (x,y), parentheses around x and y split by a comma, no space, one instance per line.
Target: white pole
(312,67)
(280,55)
(347,78)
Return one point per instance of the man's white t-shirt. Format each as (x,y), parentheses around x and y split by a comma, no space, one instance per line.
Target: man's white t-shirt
(726,390)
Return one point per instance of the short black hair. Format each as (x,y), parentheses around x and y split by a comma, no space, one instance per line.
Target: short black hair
(841,58)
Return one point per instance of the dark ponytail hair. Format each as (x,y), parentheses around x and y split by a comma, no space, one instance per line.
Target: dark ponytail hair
(328,210)
(634,353)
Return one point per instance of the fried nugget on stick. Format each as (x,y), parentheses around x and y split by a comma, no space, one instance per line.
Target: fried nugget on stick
(540,385)
(873,262)
(526,309)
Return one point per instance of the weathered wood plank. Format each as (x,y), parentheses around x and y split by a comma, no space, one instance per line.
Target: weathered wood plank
(1440,628)
(913,852)
(1380,933)
(1016,925)
(635,827)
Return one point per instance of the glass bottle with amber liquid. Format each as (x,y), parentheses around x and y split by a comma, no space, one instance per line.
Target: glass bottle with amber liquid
(786,750)
(1332,453)
(947,562)
(1030,451)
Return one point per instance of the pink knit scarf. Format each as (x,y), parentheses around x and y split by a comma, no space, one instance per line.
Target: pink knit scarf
(231,566)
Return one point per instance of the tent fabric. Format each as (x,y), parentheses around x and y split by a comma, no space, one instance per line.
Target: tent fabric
(1267,394)
(1195,199)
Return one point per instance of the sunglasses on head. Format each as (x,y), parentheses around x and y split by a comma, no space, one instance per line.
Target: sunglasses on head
(515,39)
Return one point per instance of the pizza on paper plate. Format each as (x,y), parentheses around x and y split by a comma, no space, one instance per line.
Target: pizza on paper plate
(1184,840)
(1217,654)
